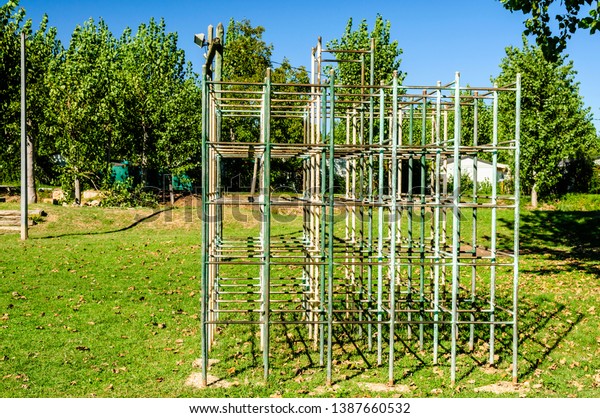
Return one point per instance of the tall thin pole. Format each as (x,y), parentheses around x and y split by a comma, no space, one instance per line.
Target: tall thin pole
(455,228)
(205,225)
(393,216)
(330,221)
(266,227)
(24,209)
(516,229)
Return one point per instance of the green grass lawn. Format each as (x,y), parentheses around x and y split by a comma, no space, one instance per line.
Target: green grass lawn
(105,302)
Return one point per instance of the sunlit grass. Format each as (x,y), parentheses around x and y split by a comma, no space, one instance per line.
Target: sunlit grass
(105,302)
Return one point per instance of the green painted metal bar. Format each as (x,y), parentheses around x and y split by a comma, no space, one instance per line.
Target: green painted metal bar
(409,213)
(517,222)
(380,226)
(24,198)
(323,221)
(266,194)
(455,228)
(331,204)
(370,190)
(393,214)
(423,164)
(204,237)
(436,267)
(474,219)
(494,221)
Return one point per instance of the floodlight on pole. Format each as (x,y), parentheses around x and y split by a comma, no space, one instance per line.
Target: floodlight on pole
(200,40)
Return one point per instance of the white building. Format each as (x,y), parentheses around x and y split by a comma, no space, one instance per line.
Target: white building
(485,169)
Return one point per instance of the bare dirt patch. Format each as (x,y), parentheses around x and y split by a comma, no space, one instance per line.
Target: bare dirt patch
(195,380)
(502,388)
(383,387)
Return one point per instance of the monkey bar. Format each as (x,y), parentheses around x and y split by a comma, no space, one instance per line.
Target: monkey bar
(391,247)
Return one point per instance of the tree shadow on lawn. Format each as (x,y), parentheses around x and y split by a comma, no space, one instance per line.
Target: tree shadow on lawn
(125,228)
(570,236)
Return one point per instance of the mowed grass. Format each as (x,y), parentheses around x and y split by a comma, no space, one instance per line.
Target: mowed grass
(105,302)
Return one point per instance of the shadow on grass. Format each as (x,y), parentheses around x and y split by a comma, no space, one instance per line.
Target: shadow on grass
(570,236)
(125,228)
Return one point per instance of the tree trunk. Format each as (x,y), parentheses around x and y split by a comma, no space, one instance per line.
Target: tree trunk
(77,191)
(31,192)
(534,196)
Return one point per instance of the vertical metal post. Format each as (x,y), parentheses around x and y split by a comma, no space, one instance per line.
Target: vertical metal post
(323,258)
(393,215)
(410,212)
(370,193)
(493,222)
(380,225)
(266,194)
(455,227)
(330,225)
(436,268)
(204,237)
(24,200)
(517,221)
(474,221)
(423,164)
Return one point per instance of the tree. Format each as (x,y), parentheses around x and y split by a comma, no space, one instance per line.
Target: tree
(569,18)
(246,56)
(555,125)
(387,53)
(42,48)
(11,18)
(82,98)
(159,105)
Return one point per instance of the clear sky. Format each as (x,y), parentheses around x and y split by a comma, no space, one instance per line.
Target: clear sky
(438,37)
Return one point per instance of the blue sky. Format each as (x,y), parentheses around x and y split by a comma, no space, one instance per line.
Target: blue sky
(438,37)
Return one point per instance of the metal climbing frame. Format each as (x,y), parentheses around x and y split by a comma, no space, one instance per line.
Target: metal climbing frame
(391,247)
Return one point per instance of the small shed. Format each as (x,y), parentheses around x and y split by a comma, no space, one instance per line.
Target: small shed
(485,169)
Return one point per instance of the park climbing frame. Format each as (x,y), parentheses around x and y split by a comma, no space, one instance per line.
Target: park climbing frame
(392,250)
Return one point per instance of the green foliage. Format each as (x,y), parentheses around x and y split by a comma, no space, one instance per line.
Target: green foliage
(569,19)
(466,186)
(11,19)
(387,53)
(159,101)
(246,56)
(102,99)
(81,97)
(555,125)
(126,194)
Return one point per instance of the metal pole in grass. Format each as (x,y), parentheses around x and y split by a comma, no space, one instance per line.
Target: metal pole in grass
(422,213)
(380,225)
(436,283)
(323,221)
(494,221)
(409,213)
(370,192)
(204,237)
(515,341)
(455,227)
(474,222)
(24,204)
(330,226)
(393,215)
(322,106)
(266,195)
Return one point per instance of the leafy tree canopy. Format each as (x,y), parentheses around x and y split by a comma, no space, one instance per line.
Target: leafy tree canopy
(555,125)
(569,17)
(387,52)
